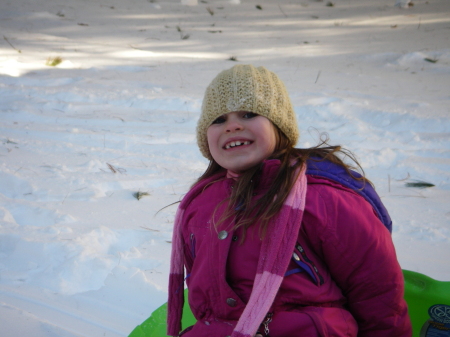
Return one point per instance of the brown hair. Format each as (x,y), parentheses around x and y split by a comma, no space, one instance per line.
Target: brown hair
(247,211)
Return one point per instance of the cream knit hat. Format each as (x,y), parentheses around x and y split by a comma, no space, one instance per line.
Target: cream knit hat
(246,88)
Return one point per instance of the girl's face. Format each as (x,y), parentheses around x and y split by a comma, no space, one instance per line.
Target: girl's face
(240,140)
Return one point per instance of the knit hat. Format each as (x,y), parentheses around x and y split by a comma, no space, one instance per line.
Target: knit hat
(246,88)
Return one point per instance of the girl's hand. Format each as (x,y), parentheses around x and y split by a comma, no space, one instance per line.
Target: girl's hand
(258,335)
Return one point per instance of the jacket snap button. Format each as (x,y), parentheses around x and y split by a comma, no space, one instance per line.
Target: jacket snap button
(223,235)
(235,237)
(231,302)
(296,257)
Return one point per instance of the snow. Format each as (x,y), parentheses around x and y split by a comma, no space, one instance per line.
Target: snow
(79,254)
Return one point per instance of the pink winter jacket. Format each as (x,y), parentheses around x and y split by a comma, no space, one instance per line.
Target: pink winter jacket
(354,286)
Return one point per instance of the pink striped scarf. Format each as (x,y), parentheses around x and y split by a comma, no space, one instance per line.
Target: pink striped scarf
(276,252)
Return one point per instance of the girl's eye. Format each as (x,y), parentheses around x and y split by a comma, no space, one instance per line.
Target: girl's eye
(219,120)
(249,115)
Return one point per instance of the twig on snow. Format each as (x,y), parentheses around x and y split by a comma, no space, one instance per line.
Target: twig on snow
(173,203)
(407,177)
(6,39)
(65,198)
(282,11)
(182,36)
(139,195)
(115,169)
(318,75)
(430,60)
(150,229)
(419,184)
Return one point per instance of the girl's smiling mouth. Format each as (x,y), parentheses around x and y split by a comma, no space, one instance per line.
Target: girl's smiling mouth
(236,143)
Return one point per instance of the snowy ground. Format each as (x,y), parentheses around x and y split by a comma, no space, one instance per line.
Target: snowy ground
(79,254)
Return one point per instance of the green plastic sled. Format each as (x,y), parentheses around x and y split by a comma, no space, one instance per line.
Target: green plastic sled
(155,325)
(428,306)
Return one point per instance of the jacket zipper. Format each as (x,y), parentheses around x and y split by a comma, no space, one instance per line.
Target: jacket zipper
(193,245)
(265,325)
(318,278)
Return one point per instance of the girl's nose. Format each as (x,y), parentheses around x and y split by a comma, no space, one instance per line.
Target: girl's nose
(233,128)
(233,125)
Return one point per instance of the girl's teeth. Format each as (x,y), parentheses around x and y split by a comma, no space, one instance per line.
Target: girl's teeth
(236,143)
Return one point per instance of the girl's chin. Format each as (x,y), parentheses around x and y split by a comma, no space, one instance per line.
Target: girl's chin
(239,169)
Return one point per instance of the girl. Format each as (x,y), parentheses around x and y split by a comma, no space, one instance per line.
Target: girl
(269,249)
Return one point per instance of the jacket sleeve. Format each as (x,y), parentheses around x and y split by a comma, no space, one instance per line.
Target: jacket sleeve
(361,258)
